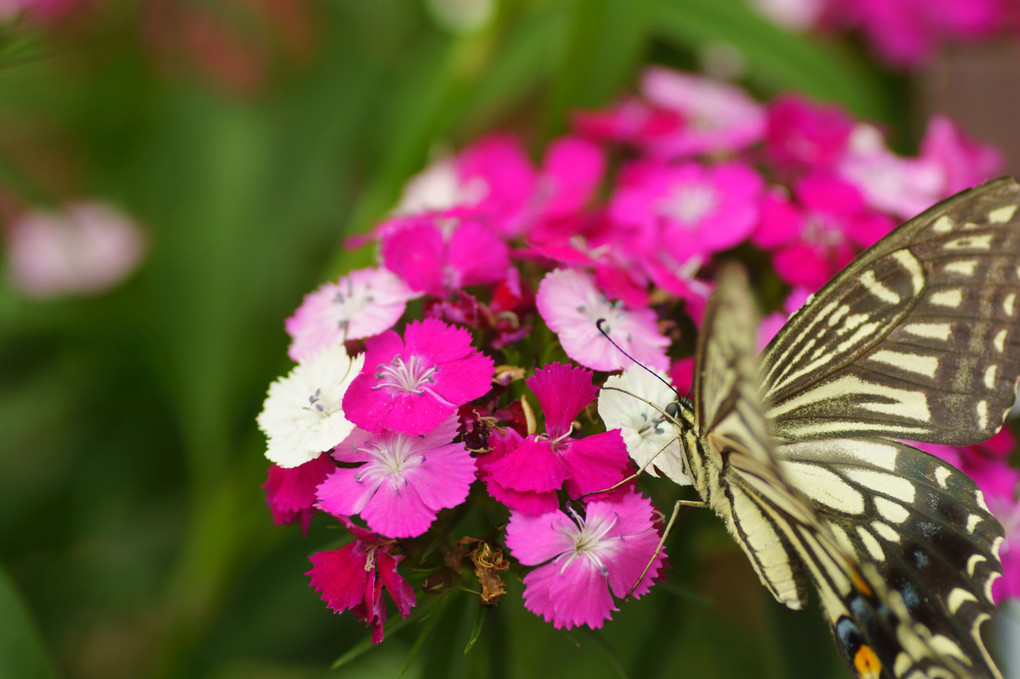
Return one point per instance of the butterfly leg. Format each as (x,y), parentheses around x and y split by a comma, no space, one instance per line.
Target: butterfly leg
(665,534)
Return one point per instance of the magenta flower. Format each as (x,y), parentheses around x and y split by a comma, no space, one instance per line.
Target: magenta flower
(290,492)
(802,135)
(440,254)
(353,577)
(571,305)
(414,384)
(402,481)
(717,116)
(814,239)
(502,442)
(585,560)
(1006,509)
(363,303)
(691,208)
(544,462)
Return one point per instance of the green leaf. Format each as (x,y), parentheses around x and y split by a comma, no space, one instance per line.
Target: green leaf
(22,653)
(777,59)
(430,621)
(476,628)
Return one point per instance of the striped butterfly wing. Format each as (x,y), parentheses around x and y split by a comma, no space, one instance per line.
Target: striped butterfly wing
(781,529)
(916,339)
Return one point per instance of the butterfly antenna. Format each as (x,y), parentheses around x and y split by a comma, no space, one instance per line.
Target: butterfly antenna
(599,323)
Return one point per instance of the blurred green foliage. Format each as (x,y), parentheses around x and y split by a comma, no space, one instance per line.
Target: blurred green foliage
(134,541)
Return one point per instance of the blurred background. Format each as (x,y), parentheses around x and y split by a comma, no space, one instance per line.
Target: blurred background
(175,175)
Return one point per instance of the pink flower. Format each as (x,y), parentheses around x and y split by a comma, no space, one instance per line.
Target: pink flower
(717,116)
(353,577)
(793,15)
(962,161)
(802,135)
(402,481)
(361,304)
(571,305)
(689,209)
(585,560)
(86,249)
(815,239)
(440,254)
(290,492)
(543,462)
(414,384)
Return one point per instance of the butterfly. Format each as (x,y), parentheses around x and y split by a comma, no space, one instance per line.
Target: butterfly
(800,451)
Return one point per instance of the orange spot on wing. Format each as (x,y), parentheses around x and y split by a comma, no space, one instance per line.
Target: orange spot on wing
(867,664)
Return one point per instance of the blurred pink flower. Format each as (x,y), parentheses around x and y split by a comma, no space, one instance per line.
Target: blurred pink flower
(401,481)
(962,161)
(906,33)
(353,577)
(689,209)
(585,561)
(680,115)
(804,135)
(717,116)
(439,254)
(86,249)
(414,384)
(363,303)
(814,237)
(571,305)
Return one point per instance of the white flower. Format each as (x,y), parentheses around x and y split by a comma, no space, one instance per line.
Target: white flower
(647,433)
(302,416)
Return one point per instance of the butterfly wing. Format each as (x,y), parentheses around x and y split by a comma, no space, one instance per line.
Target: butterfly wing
(916,339)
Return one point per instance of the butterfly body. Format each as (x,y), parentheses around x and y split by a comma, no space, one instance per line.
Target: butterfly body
(800,452)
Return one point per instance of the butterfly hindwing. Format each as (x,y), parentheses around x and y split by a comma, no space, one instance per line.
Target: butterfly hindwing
(920,523)
(916,339)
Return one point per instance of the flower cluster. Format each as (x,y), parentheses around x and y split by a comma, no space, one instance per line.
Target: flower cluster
(476,376)
(903,33)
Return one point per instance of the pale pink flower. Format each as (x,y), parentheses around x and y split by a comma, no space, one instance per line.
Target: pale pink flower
(353,577)
(363,303)
(585,561)
(402,480)
(414,384)
(962,161)
(86,249)
(571,305)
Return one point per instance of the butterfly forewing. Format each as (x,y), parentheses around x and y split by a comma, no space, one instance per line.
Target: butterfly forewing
(916,339)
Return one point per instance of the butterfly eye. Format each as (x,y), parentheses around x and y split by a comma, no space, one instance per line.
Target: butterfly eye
(672,408)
